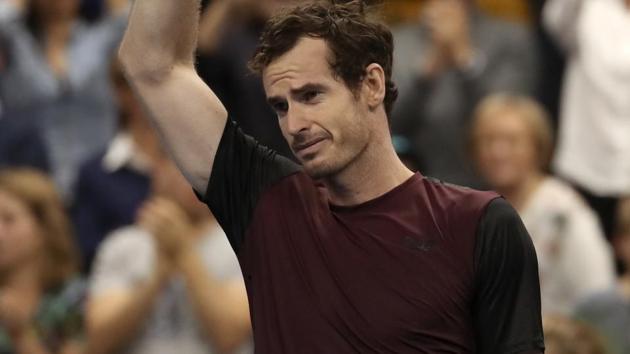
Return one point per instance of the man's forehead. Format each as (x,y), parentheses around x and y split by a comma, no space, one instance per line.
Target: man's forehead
(308,59)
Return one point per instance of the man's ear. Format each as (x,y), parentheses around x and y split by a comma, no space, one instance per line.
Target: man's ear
(374,86)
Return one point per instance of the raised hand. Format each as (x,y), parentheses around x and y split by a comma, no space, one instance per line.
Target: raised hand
(449,27)
(171,228)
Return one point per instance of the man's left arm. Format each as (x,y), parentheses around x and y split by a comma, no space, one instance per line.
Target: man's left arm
(506,308)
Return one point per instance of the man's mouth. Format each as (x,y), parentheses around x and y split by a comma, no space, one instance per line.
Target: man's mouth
(307,147)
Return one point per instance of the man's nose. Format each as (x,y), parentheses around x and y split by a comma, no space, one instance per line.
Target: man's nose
(296,120)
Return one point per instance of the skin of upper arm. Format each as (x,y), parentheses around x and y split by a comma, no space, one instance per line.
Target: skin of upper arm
(189,117)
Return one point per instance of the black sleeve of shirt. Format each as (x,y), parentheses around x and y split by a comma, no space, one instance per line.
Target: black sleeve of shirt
(242,170)
(506,308)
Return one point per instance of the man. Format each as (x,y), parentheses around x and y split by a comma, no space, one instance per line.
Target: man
(445,63)
(352,252)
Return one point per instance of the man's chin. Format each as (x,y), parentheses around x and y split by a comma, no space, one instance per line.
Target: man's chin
(318,170)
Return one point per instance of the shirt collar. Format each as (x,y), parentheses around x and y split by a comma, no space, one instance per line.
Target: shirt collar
(123,153)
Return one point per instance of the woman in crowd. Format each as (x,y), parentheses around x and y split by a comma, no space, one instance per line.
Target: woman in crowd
(40,299)
(512,143)
(56,74)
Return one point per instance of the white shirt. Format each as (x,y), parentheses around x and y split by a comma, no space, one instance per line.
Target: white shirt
(127,258)
(594,140)
(123,152)
(574,258)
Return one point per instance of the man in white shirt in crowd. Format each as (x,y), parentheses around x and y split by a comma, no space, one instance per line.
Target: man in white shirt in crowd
(594,139)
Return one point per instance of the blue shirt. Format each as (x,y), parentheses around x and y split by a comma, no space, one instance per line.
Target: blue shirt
(76,113)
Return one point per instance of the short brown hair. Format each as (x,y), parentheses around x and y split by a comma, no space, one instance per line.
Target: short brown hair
(355,40)
(534,115)
(37,192)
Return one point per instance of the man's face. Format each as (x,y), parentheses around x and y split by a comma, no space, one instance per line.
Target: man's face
(319,115)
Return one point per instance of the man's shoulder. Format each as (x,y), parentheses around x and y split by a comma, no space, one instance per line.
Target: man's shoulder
(454,197)
(296,184)
(458,208)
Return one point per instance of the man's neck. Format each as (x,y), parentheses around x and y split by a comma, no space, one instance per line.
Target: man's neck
(519,195)
(377,171)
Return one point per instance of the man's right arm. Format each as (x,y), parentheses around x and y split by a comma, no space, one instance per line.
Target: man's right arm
(157,54)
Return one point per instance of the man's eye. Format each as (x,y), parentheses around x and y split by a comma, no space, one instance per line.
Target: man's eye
(281,107)
(310,95)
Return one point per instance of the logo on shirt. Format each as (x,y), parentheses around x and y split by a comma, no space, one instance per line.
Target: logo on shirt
(419,245)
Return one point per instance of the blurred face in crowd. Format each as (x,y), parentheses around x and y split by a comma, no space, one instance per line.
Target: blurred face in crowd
(20,236)
(56,9)
(169,183)
(505,148)
(320,117)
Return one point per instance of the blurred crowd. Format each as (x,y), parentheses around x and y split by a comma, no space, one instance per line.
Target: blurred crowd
(105,249)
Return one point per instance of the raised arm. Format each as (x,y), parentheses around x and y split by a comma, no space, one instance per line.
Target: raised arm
(157,54)
(560,18)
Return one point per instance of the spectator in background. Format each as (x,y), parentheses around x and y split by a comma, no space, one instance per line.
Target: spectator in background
(565,336)
(609,311)
(21,145)
(20,141)
(113,184)
(40,298)
(223,65)
(594,137)
(445,63)
(56,75)
(551,65)
(512,144)
(171,284)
